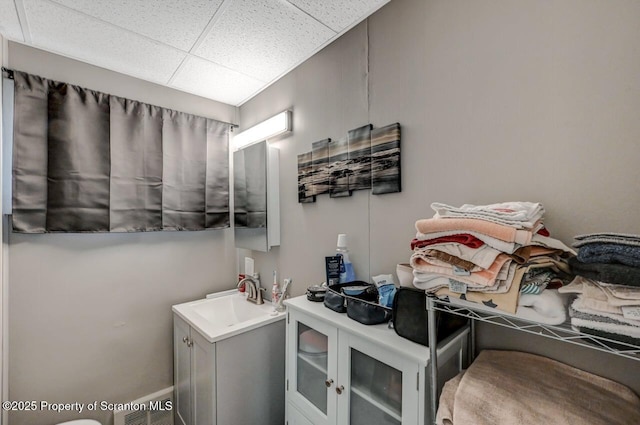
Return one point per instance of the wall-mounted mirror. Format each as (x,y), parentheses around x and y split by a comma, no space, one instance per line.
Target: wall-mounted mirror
(256,212)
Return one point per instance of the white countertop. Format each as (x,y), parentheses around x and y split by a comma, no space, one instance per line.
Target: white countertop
(378,334)
(225,314)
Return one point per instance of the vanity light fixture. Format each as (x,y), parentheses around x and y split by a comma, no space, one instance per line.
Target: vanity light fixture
(267,129)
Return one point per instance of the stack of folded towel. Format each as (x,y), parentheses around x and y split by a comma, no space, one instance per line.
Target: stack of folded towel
(608,284)
(498,255)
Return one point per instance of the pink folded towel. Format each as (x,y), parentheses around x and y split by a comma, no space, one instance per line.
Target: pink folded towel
(485,277)
(498,231)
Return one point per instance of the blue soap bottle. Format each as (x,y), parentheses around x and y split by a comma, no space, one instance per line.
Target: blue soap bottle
(346,268)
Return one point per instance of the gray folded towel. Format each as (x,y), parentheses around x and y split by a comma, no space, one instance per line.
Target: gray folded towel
(619,238)
(609,273)
(604,252)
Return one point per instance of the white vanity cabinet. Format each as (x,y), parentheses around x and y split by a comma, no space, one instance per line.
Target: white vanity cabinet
(342,372)
(193,367)
(236,380)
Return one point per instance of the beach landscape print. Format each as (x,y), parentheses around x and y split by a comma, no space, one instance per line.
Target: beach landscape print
(339,168)
(321,174)
(359,141)
(305,178)
(385,159)
(367,158)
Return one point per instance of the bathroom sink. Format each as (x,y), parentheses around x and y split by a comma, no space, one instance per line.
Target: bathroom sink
(225,314)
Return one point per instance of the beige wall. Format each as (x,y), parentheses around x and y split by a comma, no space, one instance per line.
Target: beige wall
(328,96)
(498,101)
(3,322)
(90,315)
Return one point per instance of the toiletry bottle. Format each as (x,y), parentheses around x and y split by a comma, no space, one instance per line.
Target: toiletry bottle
(346,268)
(275,290)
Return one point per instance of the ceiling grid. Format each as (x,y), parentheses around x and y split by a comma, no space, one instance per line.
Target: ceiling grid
(225,50)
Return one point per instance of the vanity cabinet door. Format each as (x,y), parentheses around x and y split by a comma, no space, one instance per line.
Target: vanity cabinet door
(182,371)
(377,387)
(312,367)
(203,376)
(193,380)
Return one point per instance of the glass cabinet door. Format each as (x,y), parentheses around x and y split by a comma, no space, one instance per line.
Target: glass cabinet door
(376,392)
(379,388)
(312,368)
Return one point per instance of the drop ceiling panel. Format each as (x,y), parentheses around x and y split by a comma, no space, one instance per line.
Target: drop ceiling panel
(262,38)
(176,23)
(339,14)
(207,79)
(9,22)
(226,50)
(58,29)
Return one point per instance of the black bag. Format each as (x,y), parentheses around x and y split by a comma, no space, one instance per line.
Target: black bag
(337,301)
(363,308)
(410,317)
(367,312)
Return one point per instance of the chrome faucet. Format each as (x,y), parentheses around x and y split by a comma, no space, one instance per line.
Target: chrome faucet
(252,286)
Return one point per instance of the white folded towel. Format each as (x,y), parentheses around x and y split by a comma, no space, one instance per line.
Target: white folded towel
(580,306)
(551,243)
(548,307)
(521,215)
(612,328)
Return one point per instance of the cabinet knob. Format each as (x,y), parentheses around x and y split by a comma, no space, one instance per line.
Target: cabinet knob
(190,343)
(185,338)
(328,382)
(340,389)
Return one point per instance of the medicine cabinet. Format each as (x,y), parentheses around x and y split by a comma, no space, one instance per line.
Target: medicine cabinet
(256,212)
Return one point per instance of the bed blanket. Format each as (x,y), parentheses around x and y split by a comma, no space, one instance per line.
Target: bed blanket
(515,388)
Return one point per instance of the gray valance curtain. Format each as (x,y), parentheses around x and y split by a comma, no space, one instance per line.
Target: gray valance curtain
(85,161)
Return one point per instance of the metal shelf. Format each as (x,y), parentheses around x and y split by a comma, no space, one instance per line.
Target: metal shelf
(564,333)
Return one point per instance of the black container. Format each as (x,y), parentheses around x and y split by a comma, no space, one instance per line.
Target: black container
(410,317)
(363,308)
(316,293)
(337,301)
(367,312)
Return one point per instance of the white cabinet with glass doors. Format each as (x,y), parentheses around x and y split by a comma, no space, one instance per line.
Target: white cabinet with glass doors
(342,372)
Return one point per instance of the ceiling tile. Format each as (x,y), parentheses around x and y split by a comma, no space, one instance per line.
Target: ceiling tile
(262,38)
(177,23)
(9,22)
(69,33)
(339,14)
(207,79)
